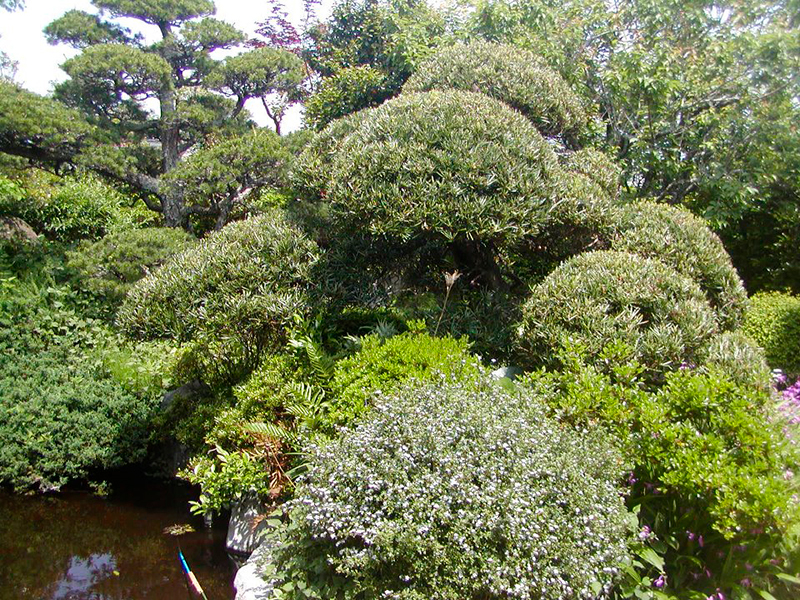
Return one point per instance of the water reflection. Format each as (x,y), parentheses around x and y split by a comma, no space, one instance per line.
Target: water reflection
(75,546)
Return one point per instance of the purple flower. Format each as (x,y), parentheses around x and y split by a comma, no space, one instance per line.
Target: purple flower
(660,582)
(746,583)
(690,535)
(700,541)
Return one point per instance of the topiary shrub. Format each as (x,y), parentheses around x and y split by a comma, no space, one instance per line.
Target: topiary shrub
(381,366)
(455,167)
(598,298)
(236,290)
(110,266)
(773,322)
(597,166)
(734,354)
(681,240)
(456,490)
(507,73)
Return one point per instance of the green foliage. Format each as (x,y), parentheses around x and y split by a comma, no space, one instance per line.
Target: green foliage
(345,92)
(67,404)
(110,266)
(509,74)
(233,293)
(390,37)
(598,167)
(773,322)
(73,208)
(81,29)
(713,470)
(455,490)
(163,11)
(33,127)
(382,366)
(218,176)
(225,478)
(681,240)
(598,298)
(734,354)
(260,73)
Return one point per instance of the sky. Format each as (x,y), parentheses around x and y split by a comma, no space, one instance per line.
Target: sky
(21,38)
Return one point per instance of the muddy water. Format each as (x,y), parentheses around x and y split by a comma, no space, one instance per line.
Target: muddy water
(76,546)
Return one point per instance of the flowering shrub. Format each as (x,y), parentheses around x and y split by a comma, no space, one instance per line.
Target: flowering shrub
(713,476)
(456,490)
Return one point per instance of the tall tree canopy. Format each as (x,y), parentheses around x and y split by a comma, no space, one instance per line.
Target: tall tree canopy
(118,75)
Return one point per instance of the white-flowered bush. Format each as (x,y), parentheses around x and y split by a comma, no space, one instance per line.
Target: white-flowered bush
(456,490)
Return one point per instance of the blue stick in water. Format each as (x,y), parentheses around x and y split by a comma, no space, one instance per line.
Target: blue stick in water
(190,576)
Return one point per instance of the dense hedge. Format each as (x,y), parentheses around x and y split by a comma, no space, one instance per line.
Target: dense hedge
(598,298)
(681,240)
(238,287)
(510,74)
(110,266)
(597,166)
(773,322)
(456,490)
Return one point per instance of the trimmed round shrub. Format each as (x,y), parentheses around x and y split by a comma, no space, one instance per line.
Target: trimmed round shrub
(451,165)
(508,73)
(383,365)
(238,287)
(681,240)
(110,266)
(743,362)
(773,322)
(597,166)
(599,298)
(456,490)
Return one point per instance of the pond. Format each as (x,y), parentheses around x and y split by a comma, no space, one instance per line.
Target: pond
(78,546)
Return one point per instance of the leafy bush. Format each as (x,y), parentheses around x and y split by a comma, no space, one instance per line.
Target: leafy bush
(456,490)
(597,298)
(773,322)
(681,240)
(234,292)
(507,73)
(349,90)
(74,207)
(110,266)
(381,366)
(713,478)
(63,411)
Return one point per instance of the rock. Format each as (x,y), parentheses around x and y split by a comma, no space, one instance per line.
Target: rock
(193,388)
(242,528)
(16,231)
(249,585)
(506,372)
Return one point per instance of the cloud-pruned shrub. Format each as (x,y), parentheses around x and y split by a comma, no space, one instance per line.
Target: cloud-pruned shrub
(384,365)
(456,490)
(744,363)
(456,168)
(238,287)
(110,266)
(773,322)
(681,240)
(598,298)
(508,73)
